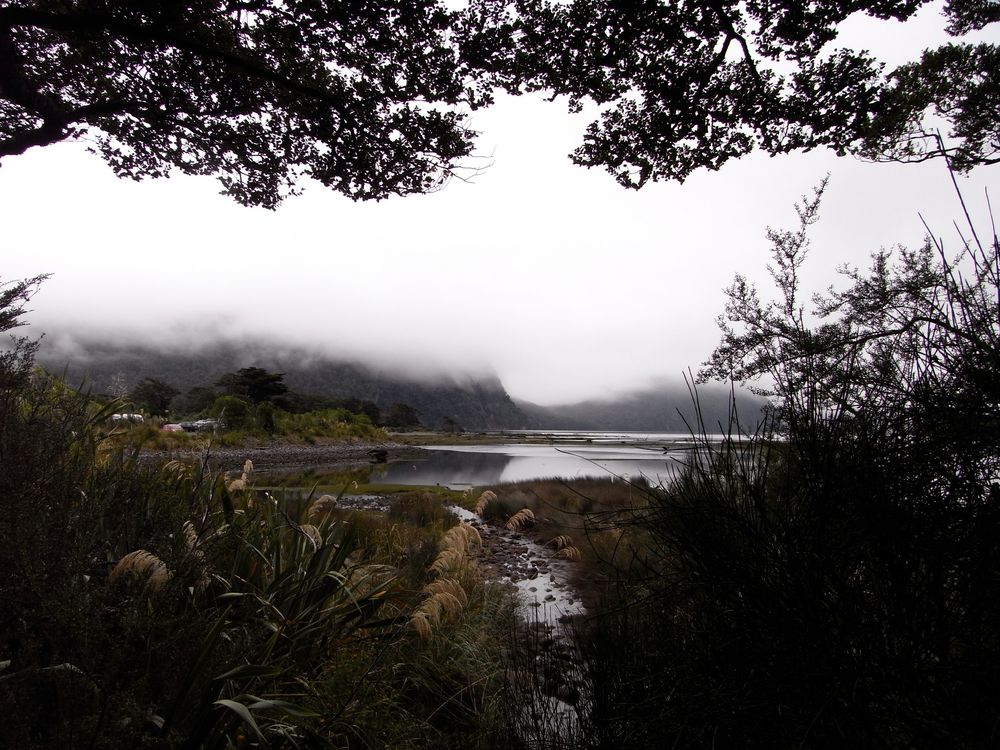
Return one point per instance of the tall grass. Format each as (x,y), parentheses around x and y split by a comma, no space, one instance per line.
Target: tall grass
(167,606)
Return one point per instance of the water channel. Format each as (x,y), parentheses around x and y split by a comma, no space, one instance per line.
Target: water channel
(564,455)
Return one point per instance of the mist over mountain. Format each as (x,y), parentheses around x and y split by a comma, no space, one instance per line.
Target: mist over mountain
(661,407)
(472,400)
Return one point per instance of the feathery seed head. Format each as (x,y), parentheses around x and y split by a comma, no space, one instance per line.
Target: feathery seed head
(321,506)
(447,559)
(484,500)
(141,565)
(419,622)
(448,586)
(523,518)
(562,541)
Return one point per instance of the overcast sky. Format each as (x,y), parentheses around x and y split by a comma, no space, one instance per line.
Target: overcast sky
(565,284)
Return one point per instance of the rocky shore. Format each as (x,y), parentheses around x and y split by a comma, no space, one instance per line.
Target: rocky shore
(541,578)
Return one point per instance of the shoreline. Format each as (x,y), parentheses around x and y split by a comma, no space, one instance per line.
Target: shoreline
(279,455)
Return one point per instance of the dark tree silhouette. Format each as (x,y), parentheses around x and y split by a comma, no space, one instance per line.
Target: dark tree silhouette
(365,98)
(839,586)
(18,355)
(692,85)
(153,395)
(254,383)
(360,97)
(196,400)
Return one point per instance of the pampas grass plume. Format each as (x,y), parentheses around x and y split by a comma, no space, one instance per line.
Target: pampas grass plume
(520,520)
(488,496)
(447,559)
(445,598)
(562,541)
(141,564)
(321,506)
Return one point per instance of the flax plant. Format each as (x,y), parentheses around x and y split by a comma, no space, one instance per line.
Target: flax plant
(292,594)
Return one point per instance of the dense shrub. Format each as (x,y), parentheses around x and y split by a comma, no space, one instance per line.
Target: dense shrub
(834,582)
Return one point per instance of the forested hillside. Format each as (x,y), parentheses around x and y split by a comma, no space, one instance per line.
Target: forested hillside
(469,401)
(442,400)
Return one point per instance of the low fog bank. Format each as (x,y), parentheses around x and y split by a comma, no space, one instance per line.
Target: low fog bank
(109,365)
(113,363)
(537,366)
(664,405)
(228,347)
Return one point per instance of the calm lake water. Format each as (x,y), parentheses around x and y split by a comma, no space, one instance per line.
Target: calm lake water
(567,455)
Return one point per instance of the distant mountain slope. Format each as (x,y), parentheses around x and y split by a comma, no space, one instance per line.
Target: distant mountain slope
(661,408)
(474,402)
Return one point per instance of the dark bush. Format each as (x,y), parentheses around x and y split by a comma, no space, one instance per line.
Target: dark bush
(834,582)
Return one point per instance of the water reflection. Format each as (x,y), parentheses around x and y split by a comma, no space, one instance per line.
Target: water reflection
(477,465)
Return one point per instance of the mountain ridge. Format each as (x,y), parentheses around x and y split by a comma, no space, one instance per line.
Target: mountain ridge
(469,400)
(474,401)
(661,407)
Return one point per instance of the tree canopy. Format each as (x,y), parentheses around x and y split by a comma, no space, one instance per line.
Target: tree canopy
(685,86)
(359,96)
(254,383)
(17,354)
(153,395)
(370,98)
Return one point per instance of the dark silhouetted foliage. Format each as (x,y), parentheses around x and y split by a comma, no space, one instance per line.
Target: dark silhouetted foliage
(368,99)
(153,395)
(834,581)
(360,97)
(254,383)
(194,401)
(17,358)
(693,85)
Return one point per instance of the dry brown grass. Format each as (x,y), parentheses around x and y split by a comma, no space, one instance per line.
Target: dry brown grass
(244,480)
(488,496)
(444,598)
(448,586)
(447,560)
(141,566)
(520,520)
(462,536)
(560,542)
(565,549)
(321,506)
